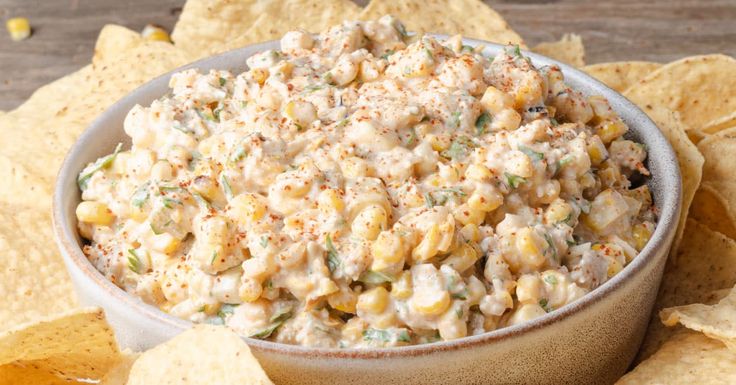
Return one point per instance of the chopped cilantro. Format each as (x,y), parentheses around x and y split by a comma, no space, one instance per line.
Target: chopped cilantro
(544,304)
(380,335)
(140,196)
(458,148)
(534,155)
(226,310)
(551,247)
(481,122)
(134,261)
(333,261)
(456,119)
(375,277)
(550,279)
(101,163)
(429,54)
(214,256)
(513,181)
(226,186)
(459,312)
(428,200)
(264,241)
(387,54)
(222,81)
(466,47)
(401,29)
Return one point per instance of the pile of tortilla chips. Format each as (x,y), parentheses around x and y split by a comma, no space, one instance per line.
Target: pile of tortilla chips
(45,338)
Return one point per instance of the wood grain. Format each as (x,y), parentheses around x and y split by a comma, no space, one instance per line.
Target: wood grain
(65,31)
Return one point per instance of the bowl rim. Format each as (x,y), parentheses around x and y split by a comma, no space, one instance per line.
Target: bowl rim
(661,238)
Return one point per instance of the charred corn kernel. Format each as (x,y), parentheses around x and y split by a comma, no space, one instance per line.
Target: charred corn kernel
(387,249)
(327,287)
(495,100)
(95,212)
(558,211)
(470,232)
(329,200)
(165,243)
(465,215)
(610,130)
(373,301)
(427,247)
(259,75)
(462,258)
(354,167)
(431,302)
(530,247)
(402,288)
(246,208)
(596,151)
(478,172)
(369,222)
(343,300)
(641,233)
(156,33)
(19,28)
(525,313)
(528,288)
(250,290)
(485,198)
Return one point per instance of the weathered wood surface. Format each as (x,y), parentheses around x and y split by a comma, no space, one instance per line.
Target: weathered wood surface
(65,31)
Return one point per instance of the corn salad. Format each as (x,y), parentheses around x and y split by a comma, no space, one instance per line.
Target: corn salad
(365,187)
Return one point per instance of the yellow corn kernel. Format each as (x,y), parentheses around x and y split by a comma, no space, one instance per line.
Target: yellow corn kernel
(95,212)
(258,268)
(607,208)
(476,290)
(165,243)
(120,164)
(401,288)
(529,245)
(528,288)
(641,234)
(373,301)
(206,187)
(369,222)
(614,267)
(211,308)
(431,303)
(495,100)
(250,290)
(558,211)
(354,167)
(527,94)
(438,143)
(387,249)
(247,208)
(447,234)
(155,33)
(427,247)
(470,232)
(525,313)
(343,300)
(329,200)
(478,172)
(465,215)
(610,130)
(259,75)
(601,109)
(19,28)
(485,198)
(326,287)
(462,258)
(596,151)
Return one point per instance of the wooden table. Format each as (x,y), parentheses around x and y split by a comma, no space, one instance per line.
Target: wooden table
(65,31)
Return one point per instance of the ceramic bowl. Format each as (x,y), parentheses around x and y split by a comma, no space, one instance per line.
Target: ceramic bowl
(592,340)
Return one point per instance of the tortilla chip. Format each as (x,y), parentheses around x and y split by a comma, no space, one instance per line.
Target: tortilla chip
(688,158)
(700,88)
(310,15)
(470,18)
(705,262)
(14,374)
(205,354)
(687,358)
(716,321)
(719,124)
(718,167)
(711,209)
(569,50)
(74,345)
(118,374)
(621,75)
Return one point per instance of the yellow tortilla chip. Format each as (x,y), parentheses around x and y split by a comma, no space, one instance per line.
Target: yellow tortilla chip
(719,124)
(716,321)
(205,354)
(569,50)
(74,345)
(719,166)
(470,18)
(621,75)
(705,262)
(310,15)
(15,374)
(711,209)
(687,358)
(688,158)
(118,374)
(700,88)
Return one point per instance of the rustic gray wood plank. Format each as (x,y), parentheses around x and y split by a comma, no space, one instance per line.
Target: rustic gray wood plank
(661,30)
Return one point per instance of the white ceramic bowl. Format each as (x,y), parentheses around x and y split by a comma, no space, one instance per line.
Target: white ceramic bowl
(592,340)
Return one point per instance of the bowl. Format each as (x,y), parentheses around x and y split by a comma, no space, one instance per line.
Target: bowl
(591,340)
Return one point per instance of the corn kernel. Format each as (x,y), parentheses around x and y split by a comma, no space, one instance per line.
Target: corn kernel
(427,247)
(610,130)
(259,75)
(258,268)
(476,290)
(495,100)
(438,143)
(247,208)
(478,172)
(326,287)
(250,290)
(641,234)
(402,288)
(485,198)
(528,288)
(354,167)
(530,247)
(369,222)
(155,33)
(558,211)
(343,300)
(387,249)
(614,267)
(94,212)
(329,200)
(165,243)
(373,301)
(525,313)
(462,258)
(465,215)
(596,151)
(431,302)
(19,28)
(470,232)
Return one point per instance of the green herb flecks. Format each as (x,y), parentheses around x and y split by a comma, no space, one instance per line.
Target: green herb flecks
(276,320)
(412,137)
(333,261)
(375,277)
(480,123)
(467,48)
(513,181)
(226,310)
(100,164)
(459,148)
(461,295)
(550,279)
(545,305)
(226,186)
(170,202)
(140,195)
(222,81)
(264,241)
(429,54)
(203,203)
(429,201)
(551,247)
(313,87)
(214,257)
(456,119)
(387,54)
(381,335)
(534,155)
(135,264)
(238,154)
(459,312)
(402,30)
